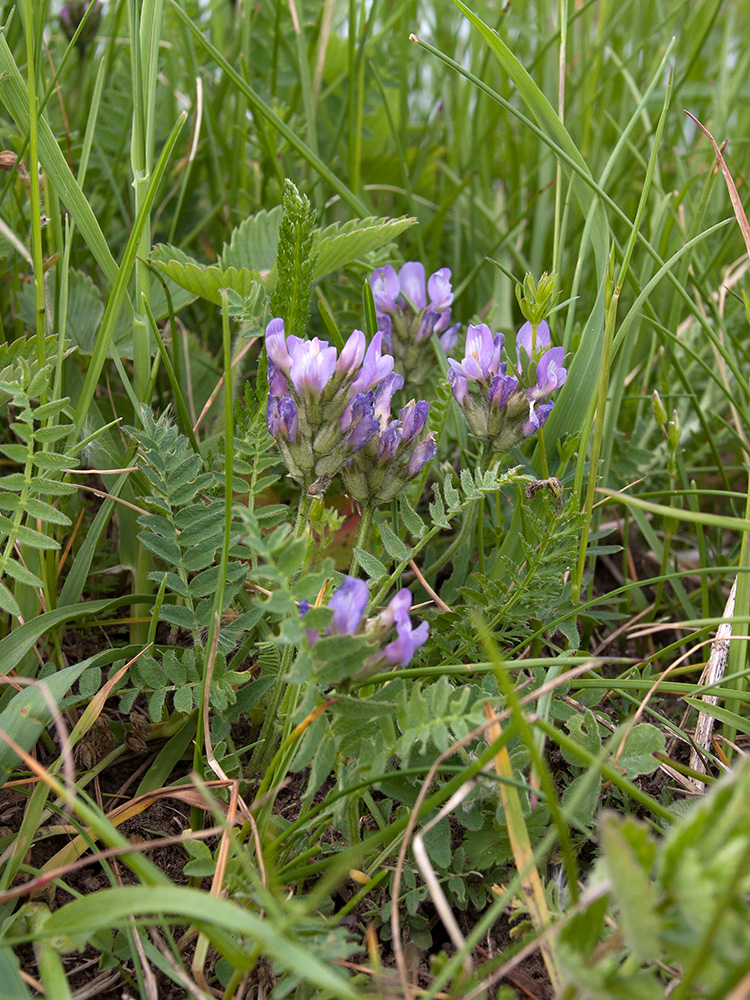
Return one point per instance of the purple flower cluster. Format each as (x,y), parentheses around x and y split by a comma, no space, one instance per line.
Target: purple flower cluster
(501,408)
(348,605)
(321,404)
(395,453)
(407,318)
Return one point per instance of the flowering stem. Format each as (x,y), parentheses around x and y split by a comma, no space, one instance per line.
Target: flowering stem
(480,534)
(303,511)
(363,535)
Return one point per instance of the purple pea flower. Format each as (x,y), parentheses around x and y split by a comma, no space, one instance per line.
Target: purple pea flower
(397,609)
(375,366)
(312,365)
(385,288)
(410,310)
(550,374)
(408,640)
(537,418)
(483,352)
(449,339)
(440,290)
(413,418)
(424,452)
(411,278)
(352,353)
(358,423)
(348,604)
(383,396)
(282,418)
(320,407)
(524,338)
(501,388)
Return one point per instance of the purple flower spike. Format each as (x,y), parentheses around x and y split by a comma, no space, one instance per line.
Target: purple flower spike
(313,363)
(413,418)
(383,395)
(399,652)
(412,281)
(385,288)
(375,366)
(348,604)
(424,452)
(524,338)
(358,422)
(440,290)
(550,374)
(352,353)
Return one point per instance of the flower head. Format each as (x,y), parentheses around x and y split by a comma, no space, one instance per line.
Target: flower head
(410,310)
(502,409)
(320,406)
(349,604)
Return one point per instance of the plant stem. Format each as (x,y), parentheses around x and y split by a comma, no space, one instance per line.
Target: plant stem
(363,535)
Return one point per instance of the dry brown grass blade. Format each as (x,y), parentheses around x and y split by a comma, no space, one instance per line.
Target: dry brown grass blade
(734,197)
(189,795)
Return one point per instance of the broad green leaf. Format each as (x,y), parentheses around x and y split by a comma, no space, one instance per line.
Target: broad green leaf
(254,243)
(113,907)
(340,245)
(370,564)
(393,544)
(641,744)
(199,279)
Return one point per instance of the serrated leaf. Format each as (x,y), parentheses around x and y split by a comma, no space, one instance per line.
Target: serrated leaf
(468,486)
(414,523)
(254,243)
(339,656)
(34,539)
(8,602)
(183,699)
(393,544)
(339,245)
(200,279)
(46,512)
(370,564)
(50,462)
(641,744)
(178,615)
(20,573)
